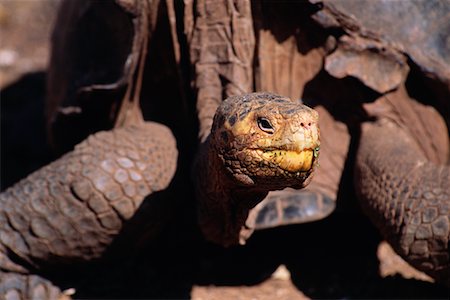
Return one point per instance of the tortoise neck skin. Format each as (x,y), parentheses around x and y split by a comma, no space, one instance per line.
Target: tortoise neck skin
(223,205)
(258,143)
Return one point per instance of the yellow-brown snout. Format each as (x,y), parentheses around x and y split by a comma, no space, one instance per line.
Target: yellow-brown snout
(267,138)
(294,144)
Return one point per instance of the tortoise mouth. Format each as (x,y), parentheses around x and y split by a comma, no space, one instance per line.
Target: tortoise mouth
(290,160)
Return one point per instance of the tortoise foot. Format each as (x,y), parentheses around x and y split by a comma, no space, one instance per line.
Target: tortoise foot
(22,286)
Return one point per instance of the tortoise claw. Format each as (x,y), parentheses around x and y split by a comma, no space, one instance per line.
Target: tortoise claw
(291,206)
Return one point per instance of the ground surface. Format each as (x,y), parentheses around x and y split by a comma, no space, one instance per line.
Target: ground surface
(278,286)
(24,35)
(25,27)
(394,273)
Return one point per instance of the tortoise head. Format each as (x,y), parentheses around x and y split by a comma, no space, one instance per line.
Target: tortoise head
(266,140)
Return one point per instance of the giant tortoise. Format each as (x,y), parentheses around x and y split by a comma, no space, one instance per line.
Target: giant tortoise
(379,96)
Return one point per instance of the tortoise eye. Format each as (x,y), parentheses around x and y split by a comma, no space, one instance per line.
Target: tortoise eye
(265,125)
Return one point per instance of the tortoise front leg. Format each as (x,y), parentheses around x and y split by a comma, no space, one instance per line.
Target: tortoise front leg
(406,196)
(72,209)
(221,45)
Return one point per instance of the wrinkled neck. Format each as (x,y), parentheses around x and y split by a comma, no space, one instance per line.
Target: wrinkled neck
(223,203)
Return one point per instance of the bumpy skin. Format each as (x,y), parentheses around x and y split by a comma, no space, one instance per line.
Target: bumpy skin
(72,209)
(408,201)
(223,41)
(225,66)
(221,45)
(15,286)
(259,142)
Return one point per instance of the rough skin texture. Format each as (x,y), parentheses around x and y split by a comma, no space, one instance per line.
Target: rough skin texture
(409,202)
(221,42)
(72,209)
(14,286)
(233,52)
(273,46)
(259,142)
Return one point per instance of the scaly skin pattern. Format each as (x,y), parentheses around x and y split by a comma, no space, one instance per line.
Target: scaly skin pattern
(18,286)
(406,196)
(224,36)
(221,47)
(259,142)
(72,209)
